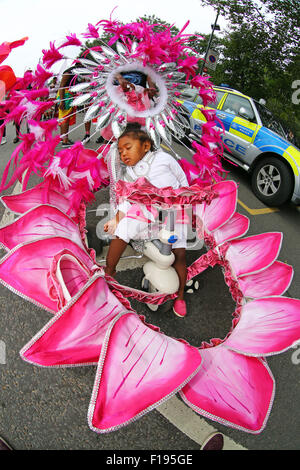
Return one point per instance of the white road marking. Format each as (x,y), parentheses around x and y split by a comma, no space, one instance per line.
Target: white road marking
(191,424)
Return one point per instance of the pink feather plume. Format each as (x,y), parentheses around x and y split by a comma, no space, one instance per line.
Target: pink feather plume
(51,55)
(71,40)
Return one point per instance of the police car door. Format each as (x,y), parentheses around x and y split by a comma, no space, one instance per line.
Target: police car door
(238,118)
(197,119)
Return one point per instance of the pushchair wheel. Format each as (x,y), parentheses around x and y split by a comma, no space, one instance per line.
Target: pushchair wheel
(147,287)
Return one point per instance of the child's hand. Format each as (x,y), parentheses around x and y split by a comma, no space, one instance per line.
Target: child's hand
(110,226)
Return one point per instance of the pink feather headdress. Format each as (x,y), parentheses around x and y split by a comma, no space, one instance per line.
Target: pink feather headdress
(142,43)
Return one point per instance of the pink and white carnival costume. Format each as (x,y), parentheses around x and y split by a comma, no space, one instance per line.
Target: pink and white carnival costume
(93,321)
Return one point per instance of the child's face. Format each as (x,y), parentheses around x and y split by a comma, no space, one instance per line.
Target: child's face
(132,150)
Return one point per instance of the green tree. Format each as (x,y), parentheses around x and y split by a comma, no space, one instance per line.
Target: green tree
(243,61)
(260,52)
(278,19)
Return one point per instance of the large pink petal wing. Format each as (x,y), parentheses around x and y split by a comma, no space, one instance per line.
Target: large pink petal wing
(221,208)
(25,269)
(266,326)
(22,202)
(231,389)
(236,227)
(74,336)
(42,221)
(138,369)
(252,254)
(274,280)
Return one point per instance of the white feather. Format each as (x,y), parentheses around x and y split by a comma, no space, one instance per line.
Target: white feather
(38,131)
(56,171)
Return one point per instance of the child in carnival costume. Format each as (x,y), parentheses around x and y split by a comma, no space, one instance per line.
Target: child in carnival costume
(136,151)
(227,380)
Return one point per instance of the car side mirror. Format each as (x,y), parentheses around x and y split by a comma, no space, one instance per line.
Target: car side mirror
(244,114)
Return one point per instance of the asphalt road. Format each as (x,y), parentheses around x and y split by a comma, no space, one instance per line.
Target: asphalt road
(45,408)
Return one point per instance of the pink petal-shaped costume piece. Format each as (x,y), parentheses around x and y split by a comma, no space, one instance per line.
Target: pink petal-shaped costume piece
(274,280)
(221,208)
(22,202)
(74,336)
(226,389)
(252,254)
(235,227)
(25,268)
(138,369)
(42,221)
(266,326)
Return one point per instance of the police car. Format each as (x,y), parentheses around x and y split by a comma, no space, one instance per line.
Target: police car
(254,140)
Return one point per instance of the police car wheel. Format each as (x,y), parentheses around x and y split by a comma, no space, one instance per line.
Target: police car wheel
(272,181)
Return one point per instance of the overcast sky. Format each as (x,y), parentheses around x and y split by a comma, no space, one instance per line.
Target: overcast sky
(44,21)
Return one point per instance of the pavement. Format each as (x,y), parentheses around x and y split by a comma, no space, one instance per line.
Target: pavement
(46,408)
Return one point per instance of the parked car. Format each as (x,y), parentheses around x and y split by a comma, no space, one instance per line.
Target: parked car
(254,140)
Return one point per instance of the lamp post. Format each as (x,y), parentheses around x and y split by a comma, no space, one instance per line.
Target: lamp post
(215,27)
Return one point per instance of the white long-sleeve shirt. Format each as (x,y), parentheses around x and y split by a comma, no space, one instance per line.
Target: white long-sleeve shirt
(164,171)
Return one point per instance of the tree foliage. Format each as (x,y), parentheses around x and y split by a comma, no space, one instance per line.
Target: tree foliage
(278,18)
(277,21)
(260,52)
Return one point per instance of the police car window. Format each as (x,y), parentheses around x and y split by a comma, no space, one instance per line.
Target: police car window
(233,105)
(214,105)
